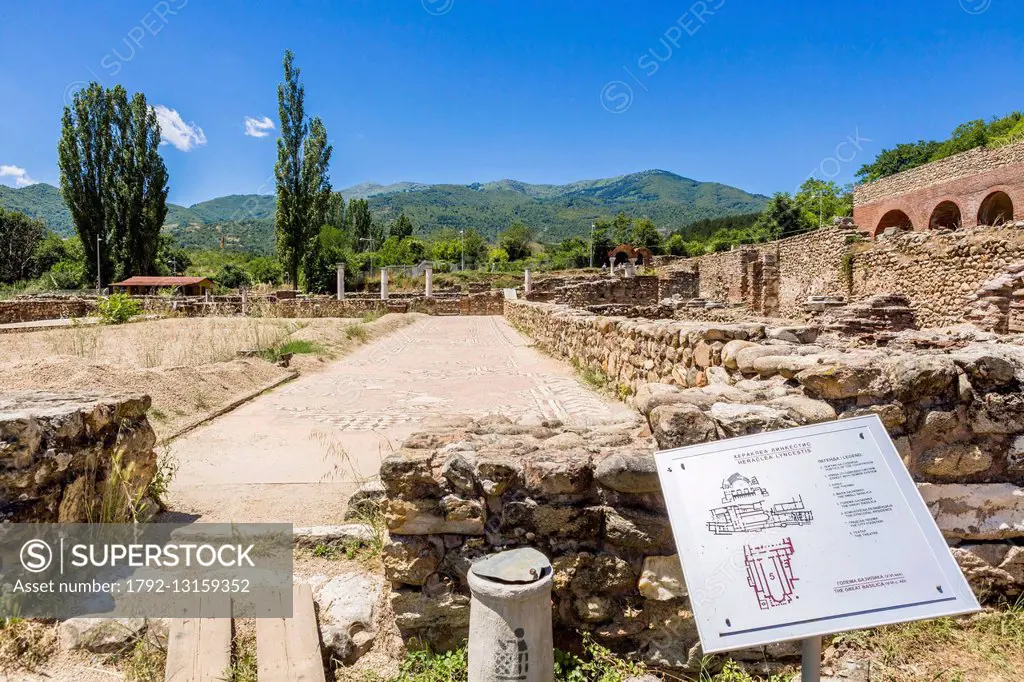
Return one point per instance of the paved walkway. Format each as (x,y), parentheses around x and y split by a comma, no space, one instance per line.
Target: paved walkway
(297,453)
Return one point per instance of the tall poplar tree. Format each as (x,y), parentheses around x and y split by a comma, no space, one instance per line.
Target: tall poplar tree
(303,191)
(113,180)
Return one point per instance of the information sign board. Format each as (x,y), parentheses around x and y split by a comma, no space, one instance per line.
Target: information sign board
(804,532)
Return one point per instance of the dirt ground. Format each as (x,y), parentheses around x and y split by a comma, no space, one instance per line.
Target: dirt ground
(188,366)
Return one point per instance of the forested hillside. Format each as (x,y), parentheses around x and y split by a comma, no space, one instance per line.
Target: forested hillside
(554,212)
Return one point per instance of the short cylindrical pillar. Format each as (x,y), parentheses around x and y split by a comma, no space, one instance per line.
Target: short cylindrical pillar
(527,282)
(383,284)
(245,300)
(510,634)
(429,275)
(341,281)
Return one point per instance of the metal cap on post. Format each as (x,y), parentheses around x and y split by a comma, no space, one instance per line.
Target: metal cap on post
(510,634)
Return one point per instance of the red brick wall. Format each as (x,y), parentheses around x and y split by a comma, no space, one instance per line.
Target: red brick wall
(967,193)
(965,179)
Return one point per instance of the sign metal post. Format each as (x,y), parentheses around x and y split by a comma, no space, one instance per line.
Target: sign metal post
(810,660)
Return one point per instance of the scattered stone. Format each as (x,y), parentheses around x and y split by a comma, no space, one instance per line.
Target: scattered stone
(100,635)
(662,578)
(988,511)
(675,426)
(332,536)
(742,420)
(347,610)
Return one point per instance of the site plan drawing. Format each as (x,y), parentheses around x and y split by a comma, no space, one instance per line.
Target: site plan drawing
(804,532)
(750,514)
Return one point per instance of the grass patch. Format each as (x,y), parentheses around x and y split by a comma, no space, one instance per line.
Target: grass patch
(243,666)
(25,644)
(372,315)
(356,332)
(982,646)
(277,351)
(146,662)
(354,550)
(425,666)
(594,378)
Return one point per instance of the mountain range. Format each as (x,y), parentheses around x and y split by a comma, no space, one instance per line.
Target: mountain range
(245,222)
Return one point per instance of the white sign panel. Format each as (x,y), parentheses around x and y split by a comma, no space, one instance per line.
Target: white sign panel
(804,532)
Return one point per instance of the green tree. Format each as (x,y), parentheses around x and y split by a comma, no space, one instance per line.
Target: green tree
(602,242)
(19,238)
(475,247)
(232,276)
(676,245)
(516,241)
(782,217)
(821,201)
(336,211)
(402,227)
(264,270)
(171,259)
(50,250)
(113,179)
(303,191)
(644,233)
(360,224)
(621,229)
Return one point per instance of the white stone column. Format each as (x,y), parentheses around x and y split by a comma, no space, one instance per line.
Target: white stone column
(383,284)
(527,282)
(429,275)
(341,281)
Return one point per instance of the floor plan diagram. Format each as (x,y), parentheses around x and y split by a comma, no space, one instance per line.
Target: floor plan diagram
(770,573)
(747,509)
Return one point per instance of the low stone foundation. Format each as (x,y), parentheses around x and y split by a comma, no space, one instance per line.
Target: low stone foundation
(59,452)
(34,309)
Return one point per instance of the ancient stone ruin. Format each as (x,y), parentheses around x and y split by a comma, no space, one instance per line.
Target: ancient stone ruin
(66,455)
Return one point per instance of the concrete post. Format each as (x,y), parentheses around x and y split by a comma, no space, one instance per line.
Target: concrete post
(383,284)
(527,282)
(510,635)
(341,281)
(429,274)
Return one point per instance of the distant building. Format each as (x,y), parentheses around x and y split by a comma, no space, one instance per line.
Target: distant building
(186,286)
(625,252)
(978,187)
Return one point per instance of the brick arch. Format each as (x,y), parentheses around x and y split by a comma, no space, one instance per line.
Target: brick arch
(946,215)
(893,218)
(996,208)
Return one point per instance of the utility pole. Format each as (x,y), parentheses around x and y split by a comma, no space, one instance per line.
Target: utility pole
(592,226)
(462,234)
(99,272)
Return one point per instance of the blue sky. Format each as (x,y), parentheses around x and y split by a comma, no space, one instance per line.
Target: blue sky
(753,93)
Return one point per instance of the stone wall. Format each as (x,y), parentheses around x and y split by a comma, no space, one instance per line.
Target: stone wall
(589,496)
(773,278)
(965,179)
(605,290)
(35,309)
(937,271)
(59,450)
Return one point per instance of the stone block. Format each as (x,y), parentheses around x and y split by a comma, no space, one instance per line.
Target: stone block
(662,578)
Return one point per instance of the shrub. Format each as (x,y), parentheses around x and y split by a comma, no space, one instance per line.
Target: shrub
(118,308)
